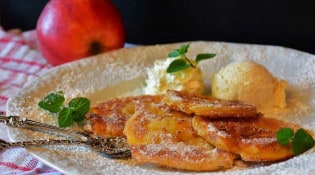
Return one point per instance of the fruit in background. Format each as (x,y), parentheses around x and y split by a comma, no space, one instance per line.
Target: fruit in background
(68,30)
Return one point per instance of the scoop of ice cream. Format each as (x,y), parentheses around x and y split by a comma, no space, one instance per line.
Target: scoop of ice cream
(249,82)
(159,81)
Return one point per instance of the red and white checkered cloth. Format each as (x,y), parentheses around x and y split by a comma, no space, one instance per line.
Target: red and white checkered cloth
(20,63)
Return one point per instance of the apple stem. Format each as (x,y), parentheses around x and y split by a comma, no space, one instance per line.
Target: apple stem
(96,48)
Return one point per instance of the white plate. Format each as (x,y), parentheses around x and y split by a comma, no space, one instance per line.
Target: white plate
(121,73)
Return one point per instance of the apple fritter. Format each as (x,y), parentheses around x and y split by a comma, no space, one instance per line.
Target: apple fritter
(209,106)
(108,118)
(253,139)
(163,136)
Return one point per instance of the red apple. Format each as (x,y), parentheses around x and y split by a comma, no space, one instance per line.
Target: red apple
(68,30)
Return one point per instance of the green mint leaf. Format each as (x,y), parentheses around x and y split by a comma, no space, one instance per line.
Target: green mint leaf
(184,49)
(80,105)
(284,135)
(177,65)
(204,56)
(64,117)
(74,112)
(77,117)
(181,51)
(173,54)
(302,141)
(52,102)
(182,61)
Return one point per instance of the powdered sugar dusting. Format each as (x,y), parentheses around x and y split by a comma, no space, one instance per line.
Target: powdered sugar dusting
(260,140)
(122,73)
(212,128)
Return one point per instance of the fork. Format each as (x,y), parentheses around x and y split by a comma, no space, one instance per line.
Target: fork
(115,147)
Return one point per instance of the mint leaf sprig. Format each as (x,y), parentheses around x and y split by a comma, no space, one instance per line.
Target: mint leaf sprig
(52,102)
(301,140)
(67,115)
(182,62)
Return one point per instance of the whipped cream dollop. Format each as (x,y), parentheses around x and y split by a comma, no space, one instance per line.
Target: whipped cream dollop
(159,81)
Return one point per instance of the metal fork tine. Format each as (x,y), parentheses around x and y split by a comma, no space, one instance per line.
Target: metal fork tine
(116,147)
(17,122)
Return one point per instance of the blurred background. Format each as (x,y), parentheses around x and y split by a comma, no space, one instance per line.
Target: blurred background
(286,23)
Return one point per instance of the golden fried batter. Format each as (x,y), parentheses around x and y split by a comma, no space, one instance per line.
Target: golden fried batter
(253,139)
(208,106)
(165,137)
(108,118)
